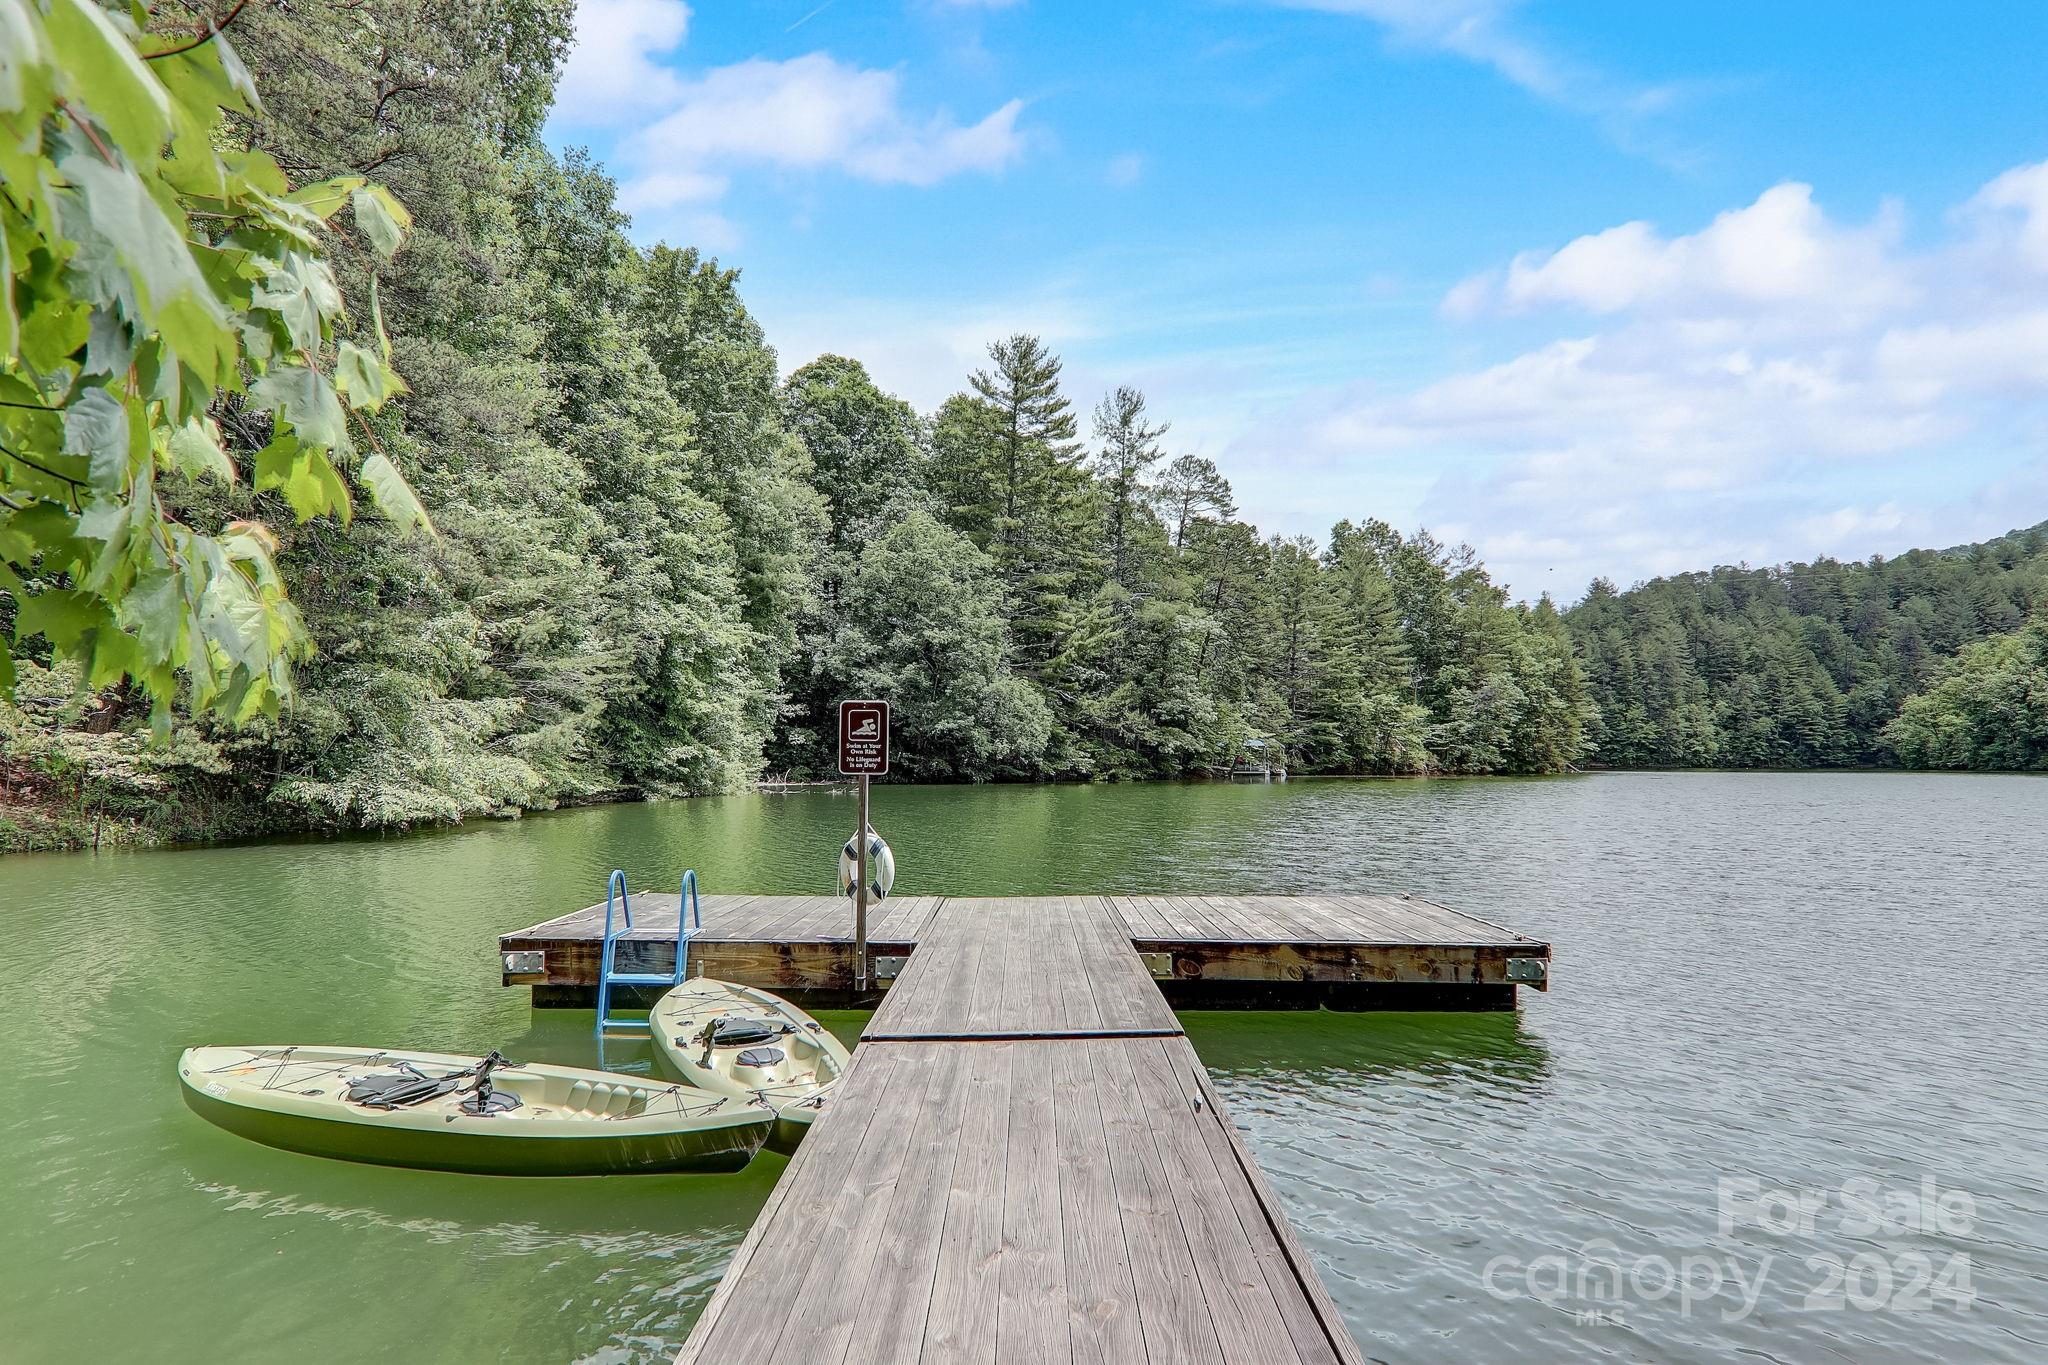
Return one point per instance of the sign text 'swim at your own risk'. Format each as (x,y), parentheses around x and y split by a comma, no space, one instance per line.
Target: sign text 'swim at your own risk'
(864,738)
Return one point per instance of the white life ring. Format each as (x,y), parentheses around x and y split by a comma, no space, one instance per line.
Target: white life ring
(881,868)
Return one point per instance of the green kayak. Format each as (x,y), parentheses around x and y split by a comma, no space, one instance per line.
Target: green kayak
(428,1110)
(750,1044)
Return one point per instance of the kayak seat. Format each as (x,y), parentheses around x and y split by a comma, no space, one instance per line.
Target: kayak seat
(399,1089)
(732,1030)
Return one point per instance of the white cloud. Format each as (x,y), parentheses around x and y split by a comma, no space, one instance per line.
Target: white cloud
(612,75)
(1474,29)
(1847,526)
(2023,189)
(1778,256)
(806,113)
(1483,32)
(682,138)
(1125,169)
(1937,361)
(1722,394)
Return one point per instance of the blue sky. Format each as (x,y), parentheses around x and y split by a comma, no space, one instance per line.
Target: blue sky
(1600,288)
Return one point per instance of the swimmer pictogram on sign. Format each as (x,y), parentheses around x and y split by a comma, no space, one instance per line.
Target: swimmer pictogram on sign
(863,738)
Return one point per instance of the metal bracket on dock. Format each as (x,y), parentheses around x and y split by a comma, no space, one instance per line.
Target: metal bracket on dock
(889,965)
(1528,969)
(1159,964)
(526,962)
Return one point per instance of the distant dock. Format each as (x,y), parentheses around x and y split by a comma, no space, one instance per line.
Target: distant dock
(1338,951)
(1026,1160)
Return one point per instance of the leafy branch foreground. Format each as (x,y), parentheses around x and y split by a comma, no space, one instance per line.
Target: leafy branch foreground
(162,283)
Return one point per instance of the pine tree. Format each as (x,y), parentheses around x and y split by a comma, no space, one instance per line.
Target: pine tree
(1130,447)
(675,683)
(1309,670)
(1035,436)
(455,677)
(1192,491)
(1044,521)
(1372,622)
(1803,663)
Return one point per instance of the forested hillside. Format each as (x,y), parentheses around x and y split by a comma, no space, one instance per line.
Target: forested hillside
(1812,664)
(657,562)
(658,565)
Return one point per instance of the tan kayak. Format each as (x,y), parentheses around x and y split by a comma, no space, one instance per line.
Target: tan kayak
(747,1043)
(427,1109)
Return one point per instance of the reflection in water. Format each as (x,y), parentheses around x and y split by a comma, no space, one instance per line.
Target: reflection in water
(1305,1053)
(1794,979)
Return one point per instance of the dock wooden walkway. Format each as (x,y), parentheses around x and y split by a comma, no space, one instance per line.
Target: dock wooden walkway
(1339,950)
(1025,1162)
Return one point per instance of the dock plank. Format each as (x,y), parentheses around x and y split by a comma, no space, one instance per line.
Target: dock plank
(1031,1311)
(1312,1315)
(750,1303)
(966,1286)
(1233,920)
(843,1250)
(1017,1169)
(1030,1200)
(1248,1321)
(895,1302)
(1103,1326)
(1372,918)
(1029,968)
(1172,1305)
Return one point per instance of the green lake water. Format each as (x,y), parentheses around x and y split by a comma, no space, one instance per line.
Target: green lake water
(1795,980)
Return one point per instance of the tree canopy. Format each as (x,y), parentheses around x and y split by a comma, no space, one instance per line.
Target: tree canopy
(629,557)
(1987,709)
(1798,665)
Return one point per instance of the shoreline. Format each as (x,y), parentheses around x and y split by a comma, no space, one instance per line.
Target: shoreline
(27,828)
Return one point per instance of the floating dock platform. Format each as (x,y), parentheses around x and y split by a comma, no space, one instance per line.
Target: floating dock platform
(1267,952)
(1026,1160)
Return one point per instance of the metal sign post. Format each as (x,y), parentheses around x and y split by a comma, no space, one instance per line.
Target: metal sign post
(860,895)
(863,753)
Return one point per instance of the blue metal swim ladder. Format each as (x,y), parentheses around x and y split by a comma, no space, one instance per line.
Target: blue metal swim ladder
(689,919)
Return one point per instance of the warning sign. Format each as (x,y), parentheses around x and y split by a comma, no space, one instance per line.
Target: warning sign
(863,738)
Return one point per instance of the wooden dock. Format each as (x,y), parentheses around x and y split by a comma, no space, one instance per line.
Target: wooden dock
(1337,951)
(1025,1162)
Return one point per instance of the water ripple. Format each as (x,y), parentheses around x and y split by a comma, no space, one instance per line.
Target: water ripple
(1790,979)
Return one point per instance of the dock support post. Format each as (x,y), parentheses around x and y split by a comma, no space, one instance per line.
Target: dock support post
(860,894)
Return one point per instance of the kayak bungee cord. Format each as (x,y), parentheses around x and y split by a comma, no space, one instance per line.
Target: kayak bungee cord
(277,1062)
(674,1094)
